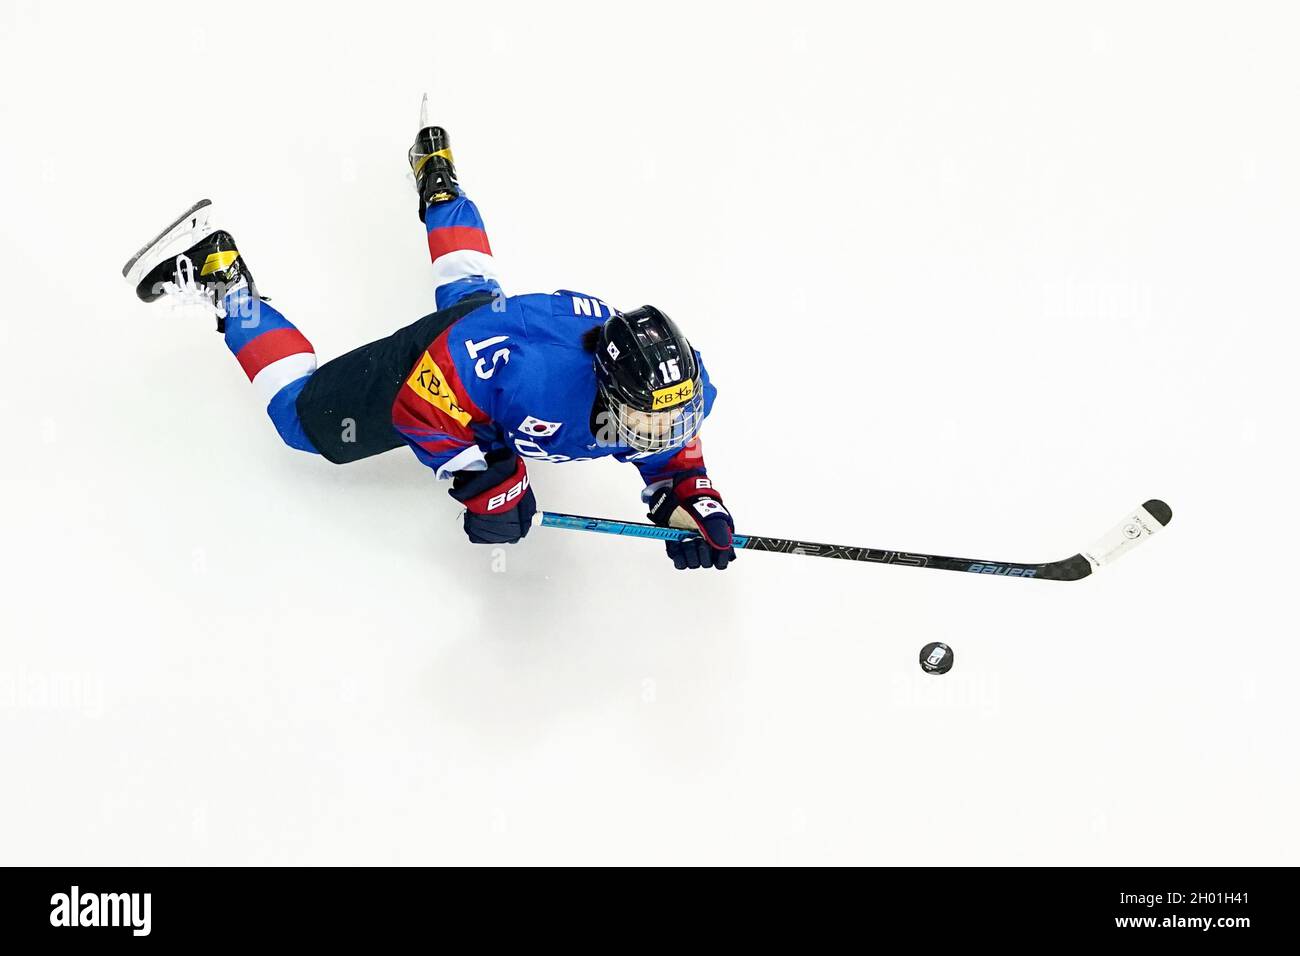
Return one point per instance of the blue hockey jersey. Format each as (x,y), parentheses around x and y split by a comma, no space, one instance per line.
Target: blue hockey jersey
(513,373)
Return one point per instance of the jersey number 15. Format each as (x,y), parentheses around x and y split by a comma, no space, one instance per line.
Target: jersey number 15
(499,357)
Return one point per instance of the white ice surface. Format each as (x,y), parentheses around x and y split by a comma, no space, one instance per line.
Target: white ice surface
(986,276)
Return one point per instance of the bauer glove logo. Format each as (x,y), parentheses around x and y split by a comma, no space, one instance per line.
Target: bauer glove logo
(509,495)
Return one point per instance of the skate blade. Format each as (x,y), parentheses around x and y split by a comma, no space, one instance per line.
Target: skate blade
(191,226)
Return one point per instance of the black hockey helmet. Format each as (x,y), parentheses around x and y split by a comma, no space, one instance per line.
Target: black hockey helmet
(648,380)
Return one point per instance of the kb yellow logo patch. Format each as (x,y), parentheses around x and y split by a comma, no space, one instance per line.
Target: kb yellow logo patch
(674,394)
(430,384)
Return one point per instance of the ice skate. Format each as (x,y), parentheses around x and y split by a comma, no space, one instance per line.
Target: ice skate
(194,260)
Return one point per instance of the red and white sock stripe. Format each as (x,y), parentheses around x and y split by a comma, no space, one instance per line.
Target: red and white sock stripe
(275,358)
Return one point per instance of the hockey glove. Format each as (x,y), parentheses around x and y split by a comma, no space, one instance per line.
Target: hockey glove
(499,504)
(702,507)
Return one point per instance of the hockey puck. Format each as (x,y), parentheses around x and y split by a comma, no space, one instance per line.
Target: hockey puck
(936,658)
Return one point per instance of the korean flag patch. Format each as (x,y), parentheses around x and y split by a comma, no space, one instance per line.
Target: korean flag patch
(536,428)
(706,507)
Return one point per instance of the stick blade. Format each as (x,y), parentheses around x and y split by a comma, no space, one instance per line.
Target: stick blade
(1129,533)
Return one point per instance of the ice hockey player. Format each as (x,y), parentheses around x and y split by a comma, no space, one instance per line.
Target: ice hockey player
(479,386)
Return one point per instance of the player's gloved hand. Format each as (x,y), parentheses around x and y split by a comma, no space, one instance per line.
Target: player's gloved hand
(499,504)
(692,501)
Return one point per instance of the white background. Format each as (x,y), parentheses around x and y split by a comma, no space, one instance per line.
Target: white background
(973,279)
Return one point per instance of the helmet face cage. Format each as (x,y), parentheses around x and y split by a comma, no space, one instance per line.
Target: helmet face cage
(654,432)
(649,381)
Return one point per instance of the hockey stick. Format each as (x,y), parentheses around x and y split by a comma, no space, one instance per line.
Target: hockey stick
(1136,528)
